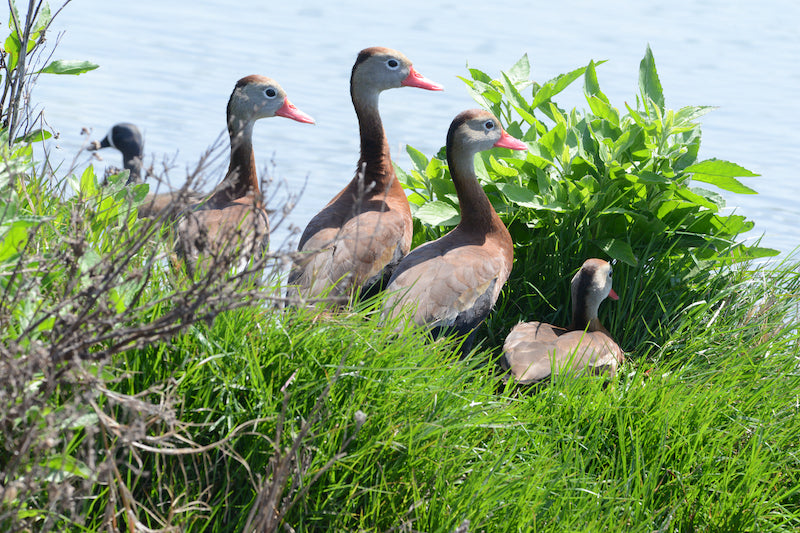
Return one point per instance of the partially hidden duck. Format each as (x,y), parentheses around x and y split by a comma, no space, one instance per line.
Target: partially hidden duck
(364,231)
(452,283)
(233,219)
(128,139)
(533,351)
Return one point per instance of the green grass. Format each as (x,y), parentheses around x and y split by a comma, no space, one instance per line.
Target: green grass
(701,434)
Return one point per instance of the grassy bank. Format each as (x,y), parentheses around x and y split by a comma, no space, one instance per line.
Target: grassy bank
(374,431)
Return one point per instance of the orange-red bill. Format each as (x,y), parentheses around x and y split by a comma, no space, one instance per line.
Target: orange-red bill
(507,141)
(415,79)
(288,110)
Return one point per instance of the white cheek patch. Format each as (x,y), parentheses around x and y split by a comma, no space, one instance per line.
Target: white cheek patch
(110,137)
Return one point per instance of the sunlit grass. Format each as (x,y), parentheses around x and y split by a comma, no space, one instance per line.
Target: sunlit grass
(699,434)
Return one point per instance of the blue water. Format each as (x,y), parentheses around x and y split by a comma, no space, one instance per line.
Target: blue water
(170,67)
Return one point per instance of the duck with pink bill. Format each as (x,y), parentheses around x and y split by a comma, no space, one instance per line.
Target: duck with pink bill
(233,221)
(452,283)
(533,351)
(354,243)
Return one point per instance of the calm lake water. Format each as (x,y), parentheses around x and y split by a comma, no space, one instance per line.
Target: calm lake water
(170,66)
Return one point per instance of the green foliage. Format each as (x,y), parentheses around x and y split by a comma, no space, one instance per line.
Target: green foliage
(73,67)
(38,229)
(22,48)
(595,183)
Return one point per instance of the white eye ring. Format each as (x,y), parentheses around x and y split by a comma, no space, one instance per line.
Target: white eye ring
(270,92)
(393,63)
(489,124)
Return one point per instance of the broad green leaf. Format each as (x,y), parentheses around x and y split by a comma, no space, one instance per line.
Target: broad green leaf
(442,187)
(415,200)
(591,87)
(719,167)
(434,168)
(88,184)
(519,195)
(521,71)
(603,109)
(512,93)
(555,86)
(438,213)
(625,141)
(12,48)
(711,196)
(554,139)
(637,117)
(42,19)
(619,250)
(647,176)
(507,172)
(527,117)
(740,252)
(538,157)
(419,159)
(34,136)
(13,238)
(479,75)
(692,113)
(65,466)
(481,172)
(731,224)
(405,178)
(697,199)
(649,84)
(73,67)
(724,182)
(476,94)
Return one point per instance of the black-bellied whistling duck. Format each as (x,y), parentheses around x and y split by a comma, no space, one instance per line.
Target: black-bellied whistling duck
(234,215)
(532,348)
(127,138)
(452,283)
(356,240)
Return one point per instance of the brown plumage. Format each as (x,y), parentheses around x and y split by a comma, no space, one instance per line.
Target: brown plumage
(453,282)
(532,347)
(356,240)
(167,203)
(232,222)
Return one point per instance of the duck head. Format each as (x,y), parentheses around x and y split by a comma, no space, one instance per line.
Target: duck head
(256,97)
(590,286)
(377,69)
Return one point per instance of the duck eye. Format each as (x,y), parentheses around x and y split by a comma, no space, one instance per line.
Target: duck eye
(489,125)
(610,272)
(271,92)
(392,63)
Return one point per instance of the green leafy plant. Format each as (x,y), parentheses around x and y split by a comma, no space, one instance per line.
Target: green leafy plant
(22,50)
(601,182)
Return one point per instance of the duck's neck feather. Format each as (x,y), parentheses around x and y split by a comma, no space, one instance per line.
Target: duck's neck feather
(375,161)
(242,178)
(134,165)
(584,320)
(477,213)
